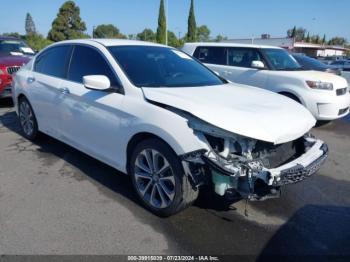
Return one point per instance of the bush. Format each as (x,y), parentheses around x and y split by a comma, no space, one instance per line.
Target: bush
(37,41)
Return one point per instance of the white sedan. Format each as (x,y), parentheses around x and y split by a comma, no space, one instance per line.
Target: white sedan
(169,122)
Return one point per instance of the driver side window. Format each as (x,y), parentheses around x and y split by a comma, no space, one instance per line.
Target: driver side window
(88,61)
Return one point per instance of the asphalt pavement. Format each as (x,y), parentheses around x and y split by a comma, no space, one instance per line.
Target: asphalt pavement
(56,200)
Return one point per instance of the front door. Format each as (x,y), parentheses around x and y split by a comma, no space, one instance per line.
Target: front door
(92,118)
(238,67)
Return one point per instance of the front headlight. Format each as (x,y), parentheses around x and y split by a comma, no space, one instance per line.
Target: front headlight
(320,85)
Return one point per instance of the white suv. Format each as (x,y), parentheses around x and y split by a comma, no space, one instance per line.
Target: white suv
(165,119)
(273,68)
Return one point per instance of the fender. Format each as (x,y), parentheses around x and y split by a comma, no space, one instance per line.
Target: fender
(290,89)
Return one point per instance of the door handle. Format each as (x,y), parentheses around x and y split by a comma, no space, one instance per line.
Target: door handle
(30,80)
(64,90)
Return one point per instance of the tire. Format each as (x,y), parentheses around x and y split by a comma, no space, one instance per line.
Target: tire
(27,119)
(321,123)
(167,183)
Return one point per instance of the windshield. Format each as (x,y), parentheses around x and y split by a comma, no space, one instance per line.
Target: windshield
(153,66)
(280,59)
(8,46)
(309,63)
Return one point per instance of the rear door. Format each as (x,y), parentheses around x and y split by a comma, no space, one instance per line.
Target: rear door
(45,83)
(213,57)
(233,63)
(92,118)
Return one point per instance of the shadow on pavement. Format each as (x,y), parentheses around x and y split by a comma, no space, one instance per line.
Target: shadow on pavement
(6,102)
(313,233)
(105,175)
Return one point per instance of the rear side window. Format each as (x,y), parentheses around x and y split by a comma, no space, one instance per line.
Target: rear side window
(88,61)
(211,55)
(53,61)
(242,57)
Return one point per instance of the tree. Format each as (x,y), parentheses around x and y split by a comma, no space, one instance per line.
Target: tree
(293,33)
(337,41)
(220,38)
(37,41)
(307,39)
(203,33)
(161,30)
(172,40)
(132,36)
(192,26)
(29,24)
(317,39)
(147,35)
(13,34)
(324,39)
(68,24)
(347,52)
(297,33)
(108,31)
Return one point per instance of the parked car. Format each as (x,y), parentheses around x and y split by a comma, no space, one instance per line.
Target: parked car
(9,65)
(343,65)
(13,54)
(309,63)
(14,46)
(168,121)
(274,69)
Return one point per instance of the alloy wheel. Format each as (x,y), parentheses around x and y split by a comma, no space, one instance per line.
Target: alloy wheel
(26,118)
(154,177)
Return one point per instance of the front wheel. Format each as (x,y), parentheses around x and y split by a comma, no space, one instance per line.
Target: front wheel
(159,180)
(27,119)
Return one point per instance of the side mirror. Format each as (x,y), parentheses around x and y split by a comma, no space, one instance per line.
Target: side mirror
(257,64)
(96,82)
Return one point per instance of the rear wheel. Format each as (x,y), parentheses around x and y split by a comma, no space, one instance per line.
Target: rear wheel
(159,179)
(27,119)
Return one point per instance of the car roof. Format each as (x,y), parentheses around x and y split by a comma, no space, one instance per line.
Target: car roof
(109,42)
(9,38)
(229,45)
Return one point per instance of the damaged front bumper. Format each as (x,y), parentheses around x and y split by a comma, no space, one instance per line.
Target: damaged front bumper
(302,167)
(251,179)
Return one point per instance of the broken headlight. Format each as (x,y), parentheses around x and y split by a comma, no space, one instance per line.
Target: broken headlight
(227,152)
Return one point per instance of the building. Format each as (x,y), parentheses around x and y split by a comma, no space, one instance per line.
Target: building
(313,50)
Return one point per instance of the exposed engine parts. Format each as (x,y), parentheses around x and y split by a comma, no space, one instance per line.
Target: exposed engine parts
(254,169)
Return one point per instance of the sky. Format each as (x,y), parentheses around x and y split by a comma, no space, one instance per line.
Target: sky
(231,18)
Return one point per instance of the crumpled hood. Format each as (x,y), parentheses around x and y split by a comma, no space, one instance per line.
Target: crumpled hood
(240,109)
